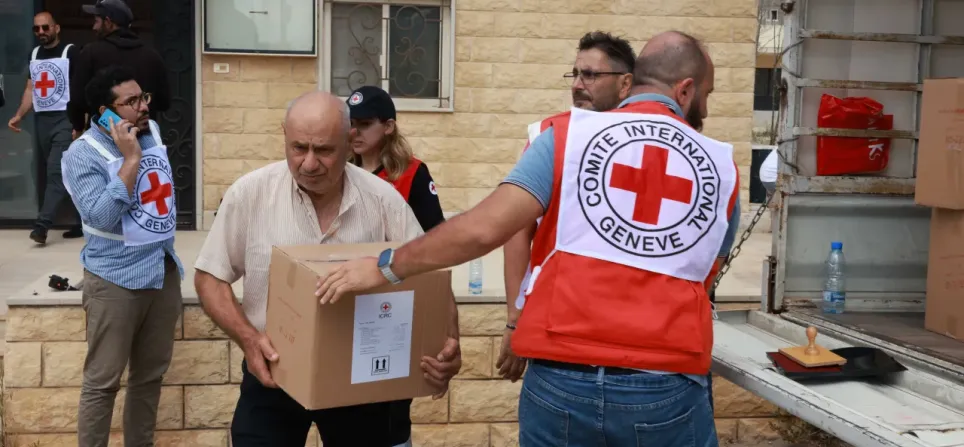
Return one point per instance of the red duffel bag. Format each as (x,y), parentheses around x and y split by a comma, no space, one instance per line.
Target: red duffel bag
(847,155)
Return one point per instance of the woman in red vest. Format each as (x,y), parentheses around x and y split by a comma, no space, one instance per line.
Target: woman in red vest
(380,148)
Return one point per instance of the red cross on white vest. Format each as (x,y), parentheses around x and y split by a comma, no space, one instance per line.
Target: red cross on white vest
(651,184)
(157,194)
(44,83)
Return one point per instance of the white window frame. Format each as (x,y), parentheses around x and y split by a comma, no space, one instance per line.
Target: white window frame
(770,16)
(447,68)
(202,20)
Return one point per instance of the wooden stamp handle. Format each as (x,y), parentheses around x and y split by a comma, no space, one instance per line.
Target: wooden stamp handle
(811,342)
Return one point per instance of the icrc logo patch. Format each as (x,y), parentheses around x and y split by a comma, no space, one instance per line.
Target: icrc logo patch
(355,99)
(647,188)
(154,209)
(50,84)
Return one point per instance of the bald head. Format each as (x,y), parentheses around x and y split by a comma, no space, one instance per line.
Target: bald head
(678,66)
(317,106)
(317,142)
(671,57)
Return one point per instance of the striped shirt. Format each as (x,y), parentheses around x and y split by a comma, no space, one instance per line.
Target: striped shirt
(266,207)
(101,202)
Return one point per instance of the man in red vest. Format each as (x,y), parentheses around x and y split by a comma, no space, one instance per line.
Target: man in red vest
(635,207)
(602,77)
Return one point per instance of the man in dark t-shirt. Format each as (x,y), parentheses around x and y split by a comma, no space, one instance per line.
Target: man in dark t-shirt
(47,94)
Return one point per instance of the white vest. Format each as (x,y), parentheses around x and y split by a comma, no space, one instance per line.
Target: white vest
(646,191)
(51,81)
(152,217)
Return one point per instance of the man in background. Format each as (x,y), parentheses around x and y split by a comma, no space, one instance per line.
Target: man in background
(121,181)
(116,44)
(48,94)
(601,77)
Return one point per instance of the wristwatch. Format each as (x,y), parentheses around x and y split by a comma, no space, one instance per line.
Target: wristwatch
(385,264)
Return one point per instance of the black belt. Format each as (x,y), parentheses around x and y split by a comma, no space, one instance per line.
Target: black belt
(589,369)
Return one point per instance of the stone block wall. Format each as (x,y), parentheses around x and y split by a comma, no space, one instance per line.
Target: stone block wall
(43,369)
(45,355)
(509,59)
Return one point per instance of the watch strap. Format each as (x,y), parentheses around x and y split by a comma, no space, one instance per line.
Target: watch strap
(390,275)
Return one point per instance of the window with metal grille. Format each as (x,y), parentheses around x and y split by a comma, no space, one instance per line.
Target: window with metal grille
(406,48)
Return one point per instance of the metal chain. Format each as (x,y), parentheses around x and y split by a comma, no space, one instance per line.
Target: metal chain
(736,249)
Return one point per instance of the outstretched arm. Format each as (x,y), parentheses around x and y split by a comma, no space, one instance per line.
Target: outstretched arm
(514,205)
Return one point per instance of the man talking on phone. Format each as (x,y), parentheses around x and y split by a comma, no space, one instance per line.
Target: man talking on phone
(119,178)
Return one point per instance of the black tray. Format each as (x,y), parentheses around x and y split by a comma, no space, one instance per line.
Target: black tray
(861,362)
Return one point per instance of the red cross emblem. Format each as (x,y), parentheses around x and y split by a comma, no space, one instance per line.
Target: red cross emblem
(386,307)
(158,194)
(44,83)
(651,184)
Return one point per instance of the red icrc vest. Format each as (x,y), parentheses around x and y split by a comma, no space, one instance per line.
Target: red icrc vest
(403,184)
(545,124)
(588,311)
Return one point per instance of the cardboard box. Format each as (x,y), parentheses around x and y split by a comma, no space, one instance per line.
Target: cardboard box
(944,308)
(940,154)
(362,349)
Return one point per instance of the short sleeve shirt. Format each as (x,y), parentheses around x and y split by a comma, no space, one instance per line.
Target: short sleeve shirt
(266,207)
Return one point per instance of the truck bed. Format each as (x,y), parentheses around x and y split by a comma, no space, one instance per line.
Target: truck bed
(904,329)
(920,407)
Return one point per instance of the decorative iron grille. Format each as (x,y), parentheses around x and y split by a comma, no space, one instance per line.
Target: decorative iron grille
(398,47)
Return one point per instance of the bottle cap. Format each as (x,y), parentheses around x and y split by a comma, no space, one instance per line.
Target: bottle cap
(836,245)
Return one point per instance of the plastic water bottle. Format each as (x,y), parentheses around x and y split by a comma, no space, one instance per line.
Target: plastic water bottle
(475,277)
(834,287)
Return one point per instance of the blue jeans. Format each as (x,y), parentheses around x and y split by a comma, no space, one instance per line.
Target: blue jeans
(561,407)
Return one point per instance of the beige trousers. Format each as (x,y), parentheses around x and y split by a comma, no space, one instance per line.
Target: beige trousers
(124,325)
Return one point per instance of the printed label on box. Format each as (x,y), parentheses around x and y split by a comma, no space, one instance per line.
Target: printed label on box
(382,342)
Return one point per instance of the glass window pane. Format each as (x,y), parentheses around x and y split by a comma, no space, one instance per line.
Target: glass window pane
(415,43)
(19,179)
(270,26)
(356,46)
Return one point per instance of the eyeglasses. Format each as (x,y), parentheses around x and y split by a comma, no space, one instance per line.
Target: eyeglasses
(135,101)
(588,76)
(37,28)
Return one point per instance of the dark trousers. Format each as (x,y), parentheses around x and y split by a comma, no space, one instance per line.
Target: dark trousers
(269,417)
(52,135)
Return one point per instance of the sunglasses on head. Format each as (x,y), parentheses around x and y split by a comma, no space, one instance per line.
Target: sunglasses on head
(37,28)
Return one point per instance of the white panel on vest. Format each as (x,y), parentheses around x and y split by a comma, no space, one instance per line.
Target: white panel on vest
(644,190)
(51,88)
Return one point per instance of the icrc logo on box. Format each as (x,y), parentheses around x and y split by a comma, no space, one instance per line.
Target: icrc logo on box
(386,310)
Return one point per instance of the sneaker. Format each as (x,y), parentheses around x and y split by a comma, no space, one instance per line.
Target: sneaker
(39,235)
(74,233)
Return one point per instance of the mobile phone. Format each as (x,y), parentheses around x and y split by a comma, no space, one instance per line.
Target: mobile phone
(108,116)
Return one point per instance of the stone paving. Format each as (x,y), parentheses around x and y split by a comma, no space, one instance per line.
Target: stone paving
(24,263)
(25,268)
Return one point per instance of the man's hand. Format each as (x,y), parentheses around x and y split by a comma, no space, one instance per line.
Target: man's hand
(14,123)
(440,370)
(510,366)
(353,276)
(125,137)
(256,350)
